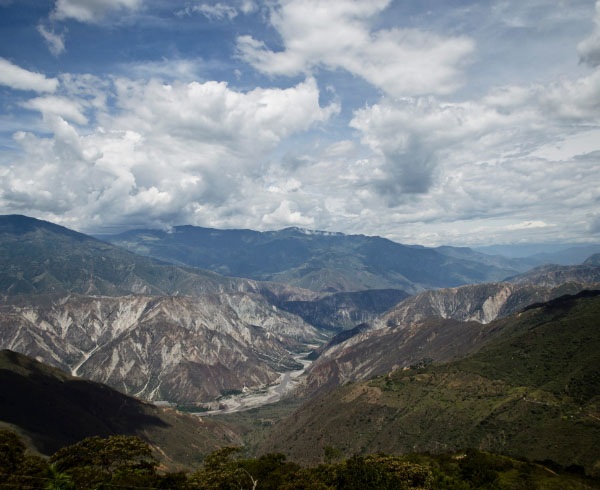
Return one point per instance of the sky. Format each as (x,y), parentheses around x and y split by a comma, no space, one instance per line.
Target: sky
(428,122)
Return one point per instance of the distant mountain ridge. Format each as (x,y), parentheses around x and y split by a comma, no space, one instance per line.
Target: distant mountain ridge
(543,253)
(592,260)
(319,261)
(39,257)
(552,275)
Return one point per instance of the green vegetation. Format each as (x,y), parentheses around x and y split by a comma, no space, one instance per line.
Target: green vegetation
(256,424)
(533,392)
(127,462)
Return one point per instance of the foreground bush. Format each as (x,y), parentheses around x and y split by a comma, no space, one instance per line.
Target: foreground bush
(127,462)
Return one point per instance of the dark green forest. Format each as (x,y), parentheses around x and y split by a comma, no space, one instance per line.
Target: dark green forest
(127,462)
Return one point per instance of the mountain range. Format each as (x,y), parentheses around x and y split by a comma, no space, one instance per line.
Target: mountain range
(438,325)
(181,349)
(317,260)
(552,275)
(531,391)
(506,366)
(186,335)
(40,257)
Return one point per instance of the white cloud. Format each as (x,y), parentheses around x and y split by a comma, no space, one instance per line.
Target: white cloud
(91,10)
(168,153)
(283,216)
(87,90)
(203,153)
(589,48)
(344,148)
(71,110)
(18,78)
(414,136)
(217,11)
(248,6)
(338,34)
(56,42)
(570,147)
(291,185)
(210,113)
(537,14)
(519,163)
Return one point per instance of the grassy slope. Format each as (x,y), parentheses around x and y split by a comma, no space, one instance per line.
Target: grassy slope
(534,392)
(255,424)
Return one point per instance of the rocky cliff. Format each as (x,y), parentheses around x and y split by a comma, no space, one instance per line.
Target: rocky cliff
(435,325)
(182,349)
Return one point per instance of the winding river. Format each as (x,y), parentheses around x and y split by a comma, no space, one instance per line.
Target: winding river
(288,380)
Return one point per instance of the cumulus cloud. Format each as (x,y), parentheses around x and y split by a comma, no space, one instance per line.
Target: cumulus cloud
(211,113)
(414,137)
(589,48)
(284,216)
(167,153)
(18,78)
(203,153)
(91,10)
(56,42)
(338,34)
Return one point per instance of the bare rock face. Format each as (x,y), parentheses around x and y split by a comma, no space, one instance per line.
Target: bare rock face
(435,325)
(181,349)
(480,303)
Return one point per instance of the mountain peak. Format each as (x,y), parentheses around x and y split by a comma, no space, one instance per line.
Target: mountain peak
(18,224)
(593,260)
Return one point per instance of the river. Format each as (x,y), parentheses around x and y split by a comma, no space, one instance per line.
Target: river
(288,380)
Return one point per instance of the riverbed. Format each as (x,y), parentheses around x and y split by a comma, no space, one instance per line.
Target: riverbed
(255,398)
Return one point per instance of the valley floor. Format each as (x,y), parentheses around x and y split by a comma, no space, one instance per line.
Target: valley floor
(256,398)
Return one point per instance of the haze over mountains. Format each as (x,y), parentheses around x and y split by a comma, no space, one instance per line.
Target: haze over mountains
(544,253)
(320,261)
